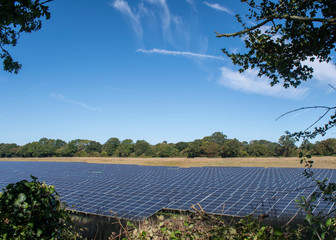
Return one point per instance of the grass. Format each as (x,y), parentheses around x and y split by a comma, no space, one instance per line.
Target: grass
(291,162)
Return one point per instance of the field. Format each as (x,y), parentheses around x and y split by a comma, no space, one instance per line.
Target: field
(319,162)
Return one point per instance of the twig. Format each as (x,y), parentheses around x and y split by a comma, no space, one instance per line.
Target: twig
(332,87)
(322,116)
(244,31)
(303,108)
(292,218)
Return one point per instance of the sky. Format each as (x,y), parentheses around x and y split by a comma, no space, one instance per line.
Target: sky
(147,70)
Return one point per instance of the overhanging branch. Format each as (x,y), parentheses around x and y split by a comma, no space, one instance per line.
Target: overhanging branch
(276,16)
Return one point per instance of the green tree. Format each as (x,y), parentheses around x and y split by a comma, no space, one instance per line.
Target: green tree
(165,150)
(16,17)
(125,149)
(263,148)
(33,210)
(210,149)
(287,145)
(281,37)
(194,149)
(93,147)
(325,147)
(296,31)
(75,147)
(180,146)
(306,146)
(231,148)
(8,150)
(216,137)
(142,149)
(111,146)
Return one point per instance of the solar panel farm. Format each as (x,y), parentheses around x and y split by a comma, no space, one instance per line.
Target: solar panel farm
(137,192)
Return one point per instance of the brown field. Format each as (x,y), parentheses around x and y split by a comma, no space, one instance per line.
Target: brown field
(319,162)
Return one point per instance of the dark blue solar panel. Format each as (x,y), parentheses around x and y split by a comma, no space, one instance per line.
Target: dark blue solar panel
(136,192)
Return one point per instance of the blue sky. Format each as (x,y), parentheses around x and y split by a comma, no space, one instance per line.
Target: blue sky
(151,70)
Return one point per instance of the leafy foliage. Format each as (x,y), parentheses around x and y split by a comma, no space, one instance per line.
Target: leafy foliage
(33,210)
(17,16)
(287,33)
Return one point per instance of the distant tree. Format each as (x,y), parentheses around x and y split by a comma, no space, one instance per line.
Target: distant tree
(231,148)
(23,151)
(194,149)
(257,150)
(142,148)
(74,147)
(180,146)
(16,17)
(93,147)
(306,146)
(165,150)
(263,148)
(326,147)
(210,149)
(111,146)
(125,149)
(8,150)
(43,148)
(287,145)
(216,137)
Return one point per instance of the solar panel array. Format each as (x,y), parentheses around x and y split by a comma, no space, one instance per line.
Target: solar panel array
(137,192)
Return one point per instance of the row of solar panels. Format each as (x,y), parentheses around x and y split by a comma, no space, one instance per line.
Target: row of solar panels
(137,192)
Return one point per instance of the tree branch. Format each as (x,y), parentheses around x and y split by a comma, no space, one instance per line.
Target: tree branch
(299,18)
(318,119)
(303,108)
(276,16)
(244,31)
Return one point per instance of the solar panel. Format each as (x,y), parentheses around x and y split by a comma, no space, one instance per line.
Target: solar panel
(137,192)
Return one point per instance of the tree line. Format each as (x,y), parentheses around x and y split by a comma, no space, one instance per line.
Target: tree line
(215,145)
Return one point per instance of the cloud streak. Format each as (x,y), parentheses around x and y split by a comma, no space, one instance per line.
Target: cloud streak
(179,53)
(218,7)
(61,98)
(249,82)
(144,15)
(133,17)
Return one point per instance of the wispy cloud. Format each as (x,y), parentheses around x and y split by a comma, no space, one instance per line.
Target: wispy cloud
(179,53)
(61,98)
(192,4)
(133,17)
(250,82)
(323,72)
(147,14)
(218,7)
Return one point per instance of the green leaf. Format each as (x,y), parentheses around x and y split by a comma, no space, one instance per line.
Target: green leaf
(329,222)
(278,232)
(310,218)
(34,178)
(22,197)
(130,224)
(39,232)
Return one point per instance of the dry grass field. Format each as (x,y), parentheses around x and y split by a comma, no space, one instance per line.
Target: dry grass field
(319,162)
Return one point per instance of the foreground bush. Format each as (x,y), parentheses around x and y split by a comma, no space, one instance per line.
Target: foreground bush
(202,225)
(33,210)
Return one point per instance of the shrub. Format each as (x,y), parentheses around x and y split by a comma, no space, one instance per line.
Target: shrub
(33,210)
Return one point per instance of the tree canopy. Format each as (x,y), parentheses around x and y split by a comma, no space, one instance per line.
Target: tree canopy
(284,35)
(281,37)
(17,16)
